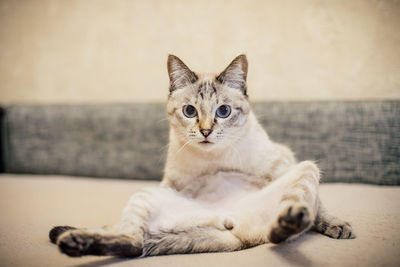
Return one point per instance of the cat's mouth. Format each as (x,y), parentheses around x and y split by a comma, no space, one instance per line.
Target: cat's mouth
(205,142)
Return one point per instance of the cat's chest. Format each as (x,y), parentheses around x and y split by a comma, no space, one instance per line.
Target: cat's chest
(211,164)
(216,177)
(223,186)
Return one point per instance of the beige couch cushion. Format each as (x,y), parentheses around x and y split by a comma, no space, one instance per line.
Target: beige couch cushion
(31,205)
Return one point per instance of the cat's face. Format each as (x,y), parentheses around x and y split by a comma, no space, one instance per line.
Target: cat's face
(208,111)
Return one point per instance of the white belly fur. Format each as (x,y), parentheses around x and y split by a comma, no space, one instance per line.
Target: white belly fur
(227,196)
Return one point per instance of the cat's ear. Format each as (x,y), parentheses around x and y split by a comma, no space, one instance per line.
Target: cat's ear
(235,74)
(179,74)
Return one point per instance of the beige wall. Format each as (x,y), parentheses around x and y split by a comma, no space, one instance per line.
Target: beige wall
(115,51)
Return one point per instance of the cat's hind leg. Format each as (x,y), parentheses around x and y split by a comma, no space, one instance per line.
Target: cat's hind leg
(156,221)
(298,205)
(191,239)
(77,242)
(126,240)
(185,225)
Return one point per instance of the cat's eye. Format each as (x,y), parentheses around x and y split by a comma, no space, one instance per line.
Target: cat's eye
(189,111)
(223,111)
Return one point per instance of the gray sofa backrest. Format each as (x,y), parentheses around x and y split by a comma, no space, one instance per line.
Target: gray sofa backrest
(351,141)
(2,141)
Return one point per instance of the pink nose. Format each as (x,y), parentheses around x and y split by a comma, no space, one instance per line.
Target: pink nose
(205,132)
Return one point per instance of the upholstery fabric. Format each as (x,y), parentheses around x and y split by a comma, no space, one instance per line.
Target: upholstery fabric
(2,140)
(356,142)
(352,141)
(30,205)
(123,141)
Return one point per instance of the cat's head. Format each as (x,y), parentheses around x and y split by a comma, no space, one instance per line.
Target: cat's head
(208,111)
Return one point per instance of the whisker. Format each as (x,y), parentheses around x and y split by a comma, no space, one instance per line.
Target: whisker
(164,147)
(164,119)
(182,147)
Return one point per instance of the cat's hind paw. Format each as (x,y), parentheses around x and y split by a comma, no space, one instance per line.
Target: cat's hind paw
(76,243)
(56,231)
(292,220)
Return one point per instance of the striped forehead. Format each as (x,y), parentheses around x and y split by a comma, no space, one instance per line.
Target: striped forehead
(206,90)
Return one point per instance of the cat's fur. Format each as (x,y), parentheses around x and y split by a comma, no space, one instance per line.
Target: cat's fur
(235,191)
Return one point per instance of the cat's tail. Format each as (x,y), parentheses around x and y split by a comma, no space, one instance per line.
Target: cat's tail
(196,239)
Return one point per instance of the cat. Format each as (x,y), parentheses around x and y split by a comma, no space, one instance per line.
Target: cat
(226,185)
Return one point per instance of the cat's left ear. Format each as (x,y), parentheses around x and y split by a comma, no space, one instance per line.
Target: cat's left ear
(235,74)
(179,74)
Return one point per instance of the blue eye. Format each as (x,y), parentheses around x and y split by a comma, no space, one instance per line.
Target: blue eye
(224,111)
(189,111)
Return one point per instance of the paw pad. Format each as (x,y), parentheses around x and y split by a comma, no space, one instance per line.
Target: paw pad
(292,220)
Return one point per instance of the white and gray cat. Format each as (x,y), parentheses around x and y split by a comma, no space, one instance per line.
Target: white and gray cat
(226,185)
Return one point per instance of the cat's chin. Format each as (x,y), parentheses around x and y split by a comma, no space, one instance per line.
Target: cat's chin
(207,146)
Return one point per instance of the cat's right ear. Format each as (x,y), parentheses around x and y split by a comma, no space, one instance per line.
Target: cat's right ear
(179,74)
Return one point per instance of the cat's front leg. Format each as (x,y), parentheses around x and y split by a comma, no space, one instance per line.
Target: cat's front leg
(298,205)
(332,226)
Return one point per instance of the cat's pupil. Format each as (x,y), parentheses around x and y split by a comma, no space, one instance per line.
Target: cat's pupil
(223,110)
(189,111)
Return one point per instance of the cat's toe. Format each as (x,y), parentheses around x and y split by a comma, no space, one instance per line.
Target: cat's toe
(73,244)
(229,223)
(222,223)
(292,220)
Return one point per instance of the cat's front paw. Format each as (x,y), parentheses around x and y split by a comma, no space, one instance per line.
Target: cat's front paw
(336,228)
(229,223)
(221,223)
(292,220)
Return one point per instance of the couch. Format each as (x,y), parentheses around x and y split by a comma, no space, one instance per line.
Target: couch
(78,164)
